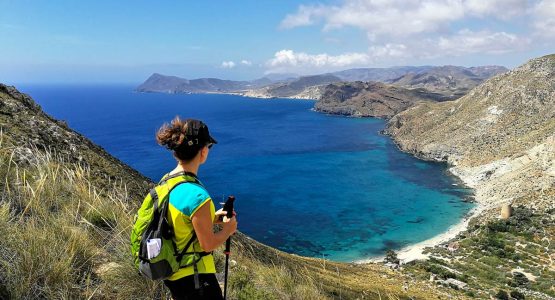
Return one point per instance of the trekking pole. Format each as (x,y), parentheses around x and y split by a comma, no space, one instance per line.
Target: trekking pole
(228,207)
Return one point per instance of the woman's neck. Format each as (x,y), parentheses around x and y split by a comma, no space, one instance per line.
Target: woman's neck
(190,167)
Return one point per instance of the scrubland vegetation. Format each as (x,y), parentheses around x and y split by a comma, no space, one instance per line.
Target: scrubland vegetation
(513,257)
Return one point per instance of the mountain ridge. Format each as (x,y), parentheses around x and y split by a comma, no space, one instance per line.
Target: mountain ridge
(286,87)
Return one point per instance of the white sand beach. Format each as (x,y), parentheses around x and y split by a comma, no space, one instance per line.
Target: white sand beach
(415,251)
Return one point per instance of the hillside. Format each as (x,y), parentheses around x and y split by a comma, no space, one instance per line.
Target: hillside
(369,99)
(67,202)
(500,140)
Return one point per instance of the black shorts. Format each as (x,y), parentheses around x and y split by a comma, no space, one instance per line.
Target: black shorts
(184,288)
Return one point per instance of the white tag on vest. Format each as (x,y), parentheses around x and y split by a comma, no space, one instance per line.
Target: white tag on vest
(153,247)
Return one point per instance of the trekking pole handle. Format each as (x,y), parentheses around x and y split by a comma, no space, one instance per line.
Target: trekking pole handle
(228,207)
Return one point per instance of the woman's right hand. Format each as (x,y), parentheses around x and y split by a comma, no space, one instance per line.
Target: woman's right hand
(229,225)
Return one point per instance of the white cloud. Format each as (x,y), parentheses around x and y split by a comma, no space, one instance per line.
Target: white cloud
(246,62)
(464,42)
(544,18)
(469,42)
(228,64)
(304,63)
(502,9)
(399,30)
(389,51)
(305,16)
(399,17)
(288,60)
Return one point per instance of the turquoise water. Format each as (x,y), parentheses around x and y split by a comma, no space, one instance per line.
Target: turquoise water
(305,183)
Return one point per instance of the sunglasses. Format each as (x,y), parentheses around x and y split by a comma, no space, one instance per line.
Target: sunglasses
(209,145)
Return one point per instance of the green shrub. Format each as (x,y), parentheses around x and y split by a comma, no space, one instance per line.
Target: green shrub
(502,295)
(517,295)
(520,279)
(391,257)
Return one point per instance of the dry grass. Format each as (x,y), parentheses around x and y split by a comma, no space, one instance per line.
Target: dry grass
(62,238)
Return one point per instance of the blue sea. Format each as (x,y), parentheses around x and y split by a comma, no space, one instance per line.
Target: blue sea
(306,183)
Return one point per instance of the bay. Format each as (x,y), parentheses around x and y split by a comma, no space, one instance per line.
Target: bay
(306,183)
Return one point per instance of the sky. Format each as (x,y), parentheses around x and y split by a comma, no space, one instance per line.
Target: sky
(105,41)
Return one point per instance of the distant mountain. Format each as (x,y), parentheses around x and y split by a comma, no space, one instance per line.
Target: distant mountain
(161,83)
(305,87)
(276,77)
(450,81)
(370,99)
(378,74)
(171,84)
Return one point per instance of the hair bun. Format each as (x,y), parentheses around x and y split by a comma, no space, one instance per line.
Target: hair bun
(172,135)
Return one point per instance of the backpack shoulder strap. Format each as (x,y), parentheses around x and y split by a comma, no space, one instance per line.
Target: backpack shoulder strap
(188,176)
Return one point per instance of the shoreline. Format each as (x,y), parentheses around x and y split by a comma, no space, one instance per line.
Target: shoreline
(416,251)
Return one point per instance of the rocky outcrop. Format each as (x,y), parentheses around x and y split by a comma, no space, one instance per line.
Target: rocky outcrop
(369,99)
(499,138)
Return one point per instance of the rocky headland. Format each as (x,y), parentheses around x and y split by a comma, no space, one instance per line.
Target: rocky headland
(369,99)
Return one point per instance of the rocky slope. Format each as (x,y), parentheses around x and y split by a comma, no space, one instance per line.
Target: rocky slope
(369,99)
(499,138)
(24,123)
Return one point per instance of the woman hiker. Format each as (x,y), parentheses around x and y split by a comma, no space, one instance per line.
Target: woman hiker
(191,210)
